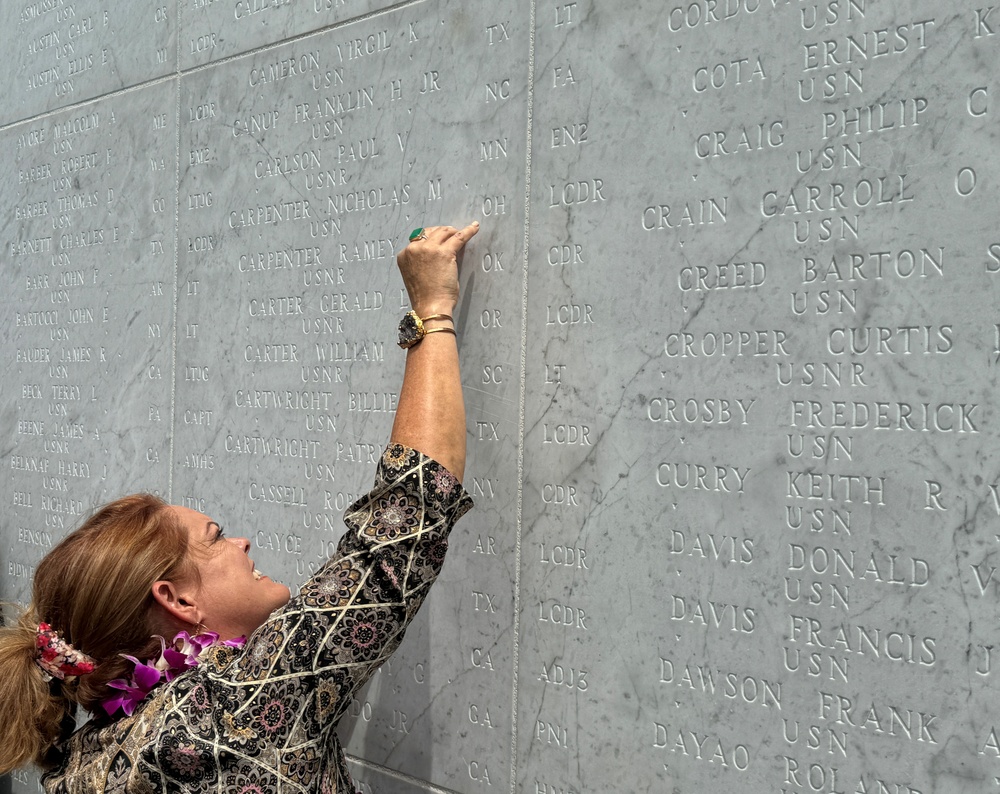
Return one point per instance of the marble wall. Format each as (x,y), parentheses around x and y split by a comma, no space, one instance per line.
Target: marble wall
(730,341)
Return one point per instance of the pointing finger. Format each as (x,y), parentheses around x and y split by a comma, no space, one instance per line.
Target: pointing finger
(462,236)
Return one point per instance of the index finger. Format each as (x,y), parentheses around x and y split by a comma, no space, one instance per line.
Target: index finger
(463,236)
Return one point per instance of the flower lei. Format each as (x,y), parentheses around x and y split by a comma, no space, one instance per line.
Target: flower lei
(183,654)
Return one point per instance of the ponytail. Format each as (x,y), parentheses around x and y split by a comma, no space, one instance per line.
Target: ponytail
(95,589)
(35,712)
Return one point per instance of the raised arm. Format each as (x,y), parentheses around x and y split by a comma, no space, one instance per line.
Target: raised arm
(352,614)
(430,415)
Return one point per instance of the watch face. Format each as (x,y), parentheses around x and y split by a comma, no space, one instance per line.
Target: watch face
(408,331)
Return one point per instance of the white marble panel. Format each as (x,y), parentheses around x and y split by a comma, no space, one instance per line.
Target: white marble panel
(294,197)
(212,30)
(761,408)
(87,318)
(62,52)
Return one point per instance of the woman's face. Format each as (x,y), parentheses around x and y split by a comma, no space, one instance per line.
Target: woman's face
(233,598)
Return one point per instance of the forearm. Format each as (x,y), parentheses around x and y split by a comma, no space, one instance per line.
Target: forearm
(430,415)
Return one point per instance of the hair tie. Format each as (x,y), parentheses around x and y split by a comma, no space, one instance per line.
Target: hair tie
(57,658)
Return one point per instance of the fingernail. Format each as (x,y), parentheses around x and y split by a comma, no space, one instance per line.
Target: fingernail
(475,223)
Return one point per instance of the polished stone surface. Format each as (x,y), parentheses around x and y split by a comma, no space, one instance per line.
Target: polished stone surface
(62,52)
(87,318)
(729,344)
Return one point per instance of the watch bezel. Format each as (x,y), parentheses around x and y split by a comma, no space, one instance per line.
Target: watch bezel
(410,332)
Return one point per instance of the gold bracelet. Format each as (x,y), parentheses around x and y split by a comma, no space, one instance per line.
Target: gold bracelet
(442,328)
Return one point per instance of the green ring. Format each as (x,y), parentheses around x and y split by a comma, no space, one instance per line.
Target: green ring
(416,233)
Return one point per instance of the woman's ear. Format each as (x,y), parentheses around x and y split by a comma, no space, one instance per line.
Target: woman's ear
(179,602)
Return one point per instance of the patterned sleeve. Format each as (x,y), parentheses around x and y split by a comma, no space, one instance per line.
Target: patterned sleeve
(349,618)
(262,719)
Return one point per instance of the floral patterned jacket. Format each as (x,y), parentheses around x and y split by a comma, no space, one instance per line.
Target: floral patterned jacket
(261,719)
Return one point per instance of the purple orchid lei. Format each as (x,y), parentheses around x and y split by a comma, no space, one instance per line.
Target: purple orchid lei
(183,654)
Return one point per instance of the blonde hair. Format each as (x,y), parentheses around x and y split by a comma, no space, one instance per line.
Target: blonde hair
(95,589)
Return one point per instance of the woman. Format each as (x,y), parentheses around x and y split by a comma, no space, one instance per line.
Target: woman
(206,712)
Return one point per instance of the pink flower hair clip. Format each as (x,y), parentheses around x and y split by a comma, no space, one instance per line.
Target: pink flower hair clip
(57,658)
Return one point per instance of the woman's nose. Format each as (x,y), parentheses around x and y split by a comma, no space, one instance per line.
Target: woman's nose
(243,543)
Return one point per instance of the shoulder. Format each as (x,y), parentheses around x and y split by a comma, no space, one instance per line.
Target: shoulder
(104,756)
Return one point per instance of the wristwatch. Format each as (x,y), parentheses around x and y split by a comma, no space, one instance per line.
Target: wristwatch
(411,328)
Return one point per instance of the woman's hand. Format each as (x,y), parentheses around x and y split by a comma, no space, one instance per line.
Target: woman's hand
(430,268)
